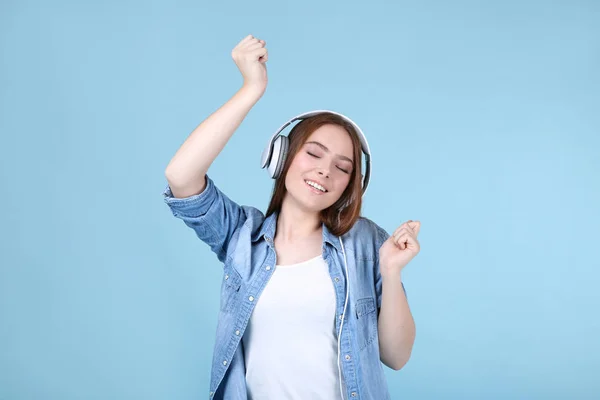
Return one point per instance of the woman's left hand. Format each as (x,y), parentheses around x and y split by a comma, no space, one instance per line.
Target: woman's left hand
(401,247)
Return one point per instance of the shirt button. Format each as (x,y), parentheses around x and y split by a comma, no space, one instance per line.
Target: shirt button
(337,279)
(211,394)
(341,316)
(225,362)
(353,394)
(268,268)
(347,357)
(226,277)
(251,298)
(237,333)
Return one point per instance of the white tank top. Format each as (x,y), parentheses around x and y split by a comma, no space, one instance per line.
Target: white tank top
(290,344)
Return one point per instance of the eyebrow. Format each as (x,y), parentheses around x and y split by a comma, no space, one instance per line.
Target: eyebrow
(327,150)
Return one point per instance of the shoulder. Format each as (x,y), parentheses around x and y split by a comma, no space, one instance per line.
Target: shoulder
(366,237)
(242,219)
(368,229)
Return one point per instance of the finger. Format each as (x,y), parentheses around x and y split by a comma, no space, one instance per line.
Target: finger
(250,42)
(406,241)
(260,52)
(254,46)
(403,231)
(413,244)
(399,233)
(402,241)
(246,39)
(403,225)
(409,227)
(397,230)
(415,226)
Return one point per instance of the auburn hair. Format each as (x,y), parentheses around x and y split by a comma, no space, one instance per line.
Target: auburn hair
(337,224)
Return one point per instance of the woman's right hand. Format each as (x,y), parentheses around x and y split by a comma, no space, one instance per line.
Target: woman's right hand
(250,56)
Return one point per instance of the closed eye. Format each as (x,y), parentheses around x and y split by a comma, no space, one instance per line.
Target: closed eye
(341,169)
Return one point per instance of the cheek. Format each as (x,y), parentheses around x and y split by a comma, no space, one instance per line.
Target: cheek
(303,161)
(344,181)
(295,171)
(300,165)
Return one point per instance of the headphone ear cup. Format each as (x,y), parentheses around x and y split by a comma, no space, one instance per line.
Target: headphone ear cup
(280,150)
(281,155)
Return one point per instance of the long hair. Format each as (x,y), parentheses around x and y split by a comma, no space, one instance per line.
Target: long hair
(337,222)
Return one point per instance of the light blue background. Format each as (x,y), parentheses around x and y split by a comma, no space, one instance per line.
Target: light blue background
(484,123)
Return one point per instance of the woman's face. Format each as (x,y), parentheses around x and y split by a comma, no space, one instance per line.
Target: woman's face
(324,161)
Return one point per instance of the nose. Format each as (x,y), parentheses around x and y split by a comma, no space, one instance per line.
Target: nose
(323,168)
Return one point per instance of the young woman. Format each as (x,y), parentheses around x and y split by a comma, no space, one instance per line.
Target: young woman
(312,300)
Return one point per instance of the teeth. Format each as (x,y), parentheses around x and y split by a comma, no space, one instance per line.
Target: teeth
(316,186)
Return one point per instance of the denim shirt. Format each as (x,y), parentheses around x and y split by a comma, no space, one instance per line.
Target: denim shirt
(242,239)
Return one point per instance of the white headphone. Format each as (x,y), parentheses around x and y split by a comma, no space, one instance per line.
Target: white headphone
(275,152)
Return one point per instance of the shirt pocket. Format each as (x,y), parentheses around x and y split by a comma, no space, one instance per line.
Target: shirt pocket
(232,281)
(366,321)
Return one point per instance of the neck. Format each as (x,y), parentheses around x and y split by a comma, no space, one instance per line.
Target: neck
(295,224)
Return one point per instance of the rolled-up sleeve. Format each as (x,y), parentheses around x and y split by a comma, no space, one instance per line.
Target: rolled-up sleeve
(212,215)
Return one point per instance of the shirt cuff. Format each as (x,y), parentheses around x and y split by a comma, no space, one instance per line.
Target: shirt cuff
(192,206)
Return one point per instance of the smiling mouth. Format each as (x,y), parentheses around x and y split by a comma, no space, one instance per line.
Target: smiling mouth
(314,189)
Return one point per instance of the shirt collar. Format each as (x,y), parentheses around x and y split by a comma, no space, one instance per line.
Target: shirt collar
(267,230)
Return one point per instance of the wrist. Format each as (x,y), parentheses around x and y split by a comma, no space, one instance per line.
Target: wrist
(254,90)
(391,275)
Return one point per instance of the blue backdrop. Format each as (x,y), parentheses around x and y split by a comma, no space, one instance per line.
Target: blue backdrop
(484,123)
